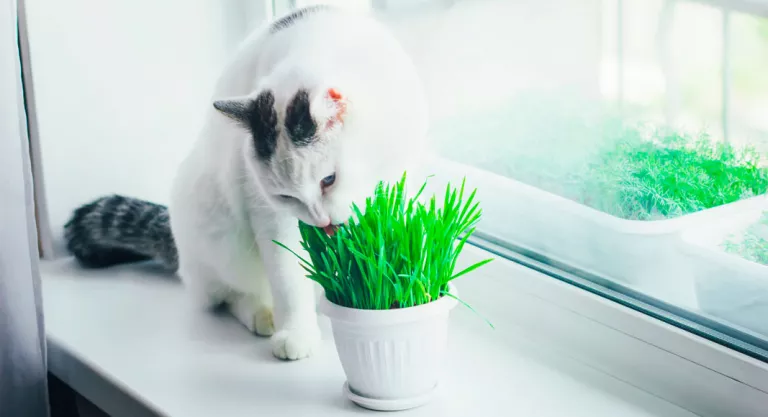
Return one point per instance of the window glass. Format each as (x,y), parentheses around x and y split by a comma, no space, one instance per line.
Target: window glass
(620,140)
(749,82)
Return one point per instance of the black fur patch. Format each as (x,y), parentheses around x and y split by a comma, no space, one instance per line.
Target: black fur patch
(258,116)
(298,120)
(297,15)
(116,229)
(262,120)
(146,218)
(110,210)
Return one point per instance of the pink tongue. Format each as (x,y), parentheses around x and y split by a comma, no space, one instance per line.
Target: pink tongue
(330,229)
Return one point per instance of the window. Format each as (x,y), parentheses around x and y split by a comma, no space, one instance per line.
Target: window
(623,141)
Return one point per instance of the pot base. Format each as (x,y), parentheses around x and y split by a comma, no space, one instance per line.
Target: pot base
(388,405)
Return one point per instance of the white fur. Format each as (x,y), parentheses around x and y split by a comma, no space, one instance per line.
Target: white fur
(224,209)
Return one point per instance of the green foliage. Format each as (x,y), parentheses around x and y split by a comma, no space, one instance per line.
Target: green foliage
(398,253)
(671,175)
(594,156)
(753,245)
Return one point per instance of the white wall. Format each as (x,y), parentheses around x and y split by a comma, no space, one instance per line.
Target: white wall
(120,88)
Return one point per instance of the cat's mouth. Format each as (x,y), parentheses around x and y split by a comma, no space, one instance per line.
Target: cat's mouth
(331,229)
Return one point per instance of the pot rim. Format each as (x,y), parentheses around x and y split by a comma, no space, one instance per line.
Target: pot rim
(349,315)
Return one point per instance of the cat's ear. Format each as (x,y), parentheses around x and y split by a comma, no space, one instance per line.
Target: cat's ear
(236,109)
(338,103)
(258,115)
(305,116)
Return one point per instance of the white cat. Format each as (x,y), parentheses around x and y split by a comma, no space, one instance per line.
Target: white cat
(313,111)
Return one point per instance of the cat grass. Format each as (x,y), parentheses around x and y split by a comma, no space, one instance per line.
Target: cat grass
(398,252)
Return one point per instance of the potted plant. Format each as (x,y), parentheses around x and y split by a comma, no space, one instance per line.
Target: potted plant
(387,282)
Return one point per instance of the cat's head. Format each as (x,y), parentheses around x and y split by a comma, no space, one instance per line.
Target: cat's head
(298,150)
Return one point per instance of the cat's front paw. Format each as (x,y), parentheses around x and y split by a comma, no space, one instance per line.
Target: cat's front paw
(262,322)
(297,343)
(257,319)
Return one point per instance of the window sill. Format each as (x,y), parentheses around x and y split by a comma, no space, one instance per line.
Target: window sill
(127,340)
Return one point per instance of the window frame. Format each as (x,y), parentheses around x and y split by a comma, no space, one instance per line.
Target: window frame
(755,7)
(44,238)
(23,383)
(687,370)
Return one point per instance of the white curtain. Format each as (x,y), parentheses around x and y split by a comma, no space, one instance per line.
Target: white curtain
(23,387)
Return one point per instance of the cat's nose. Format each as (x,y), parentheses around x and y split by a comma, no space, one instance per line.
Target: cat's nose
(320,218)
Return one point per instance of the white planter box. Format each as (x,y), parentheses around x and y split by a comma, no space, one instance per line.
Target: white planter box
(645,255)
(392,358)
(728,286)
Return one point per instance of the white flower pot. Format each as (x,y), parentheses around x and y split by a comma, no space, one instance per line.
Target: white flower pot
(392,358)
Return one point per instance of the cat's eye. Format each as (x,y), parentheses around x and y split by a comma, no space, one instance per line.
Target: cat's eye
(328,181)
